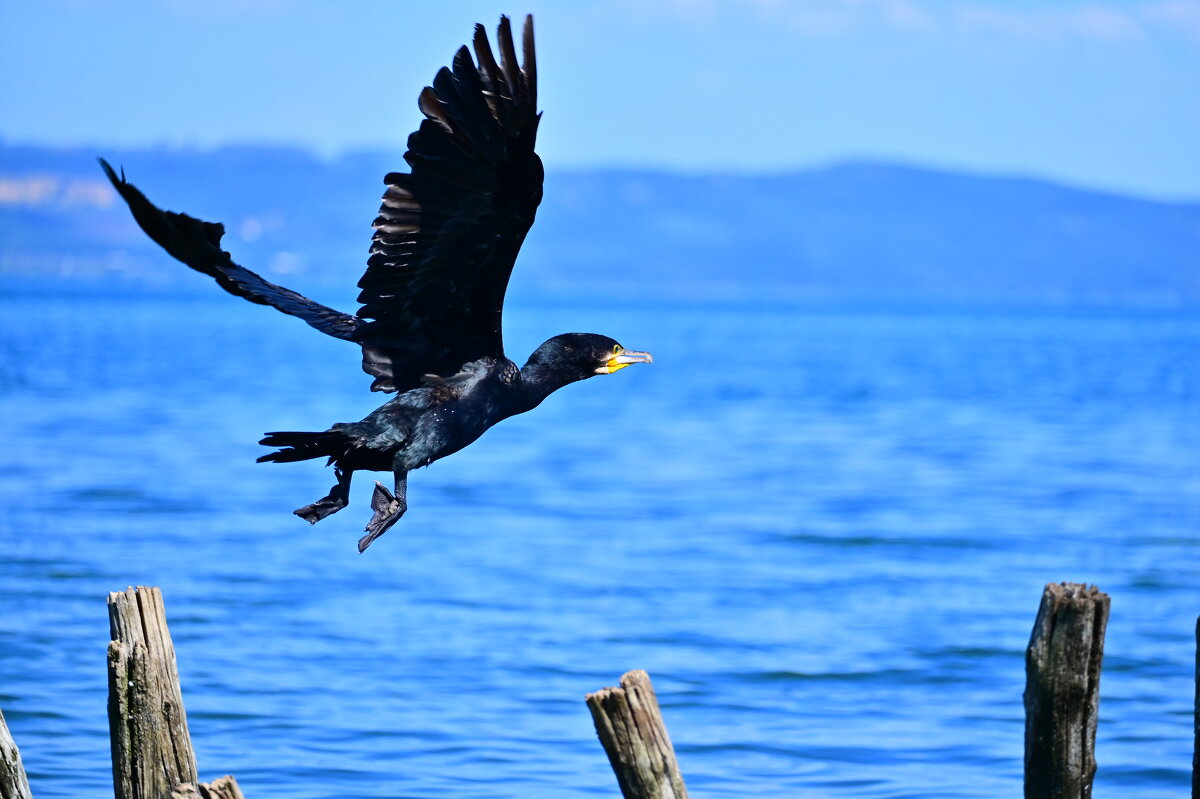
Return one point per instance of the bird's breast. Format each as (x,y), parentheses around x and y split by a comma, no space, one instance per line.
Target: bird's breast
(450,426)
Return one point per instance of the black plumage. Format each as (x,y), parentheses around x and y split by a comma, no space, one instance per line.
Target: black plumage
(432,297)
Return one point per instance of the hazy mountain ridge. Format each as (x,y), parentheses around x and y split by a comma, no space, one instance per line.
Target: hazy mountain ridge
(855,231)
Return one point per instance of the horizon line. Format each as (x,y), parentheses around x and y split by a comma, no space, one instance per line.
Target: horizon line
(330,156)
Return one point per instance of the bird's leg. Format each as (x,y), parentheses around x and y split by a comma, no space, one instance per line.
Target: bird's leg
(388,509)
(338,498)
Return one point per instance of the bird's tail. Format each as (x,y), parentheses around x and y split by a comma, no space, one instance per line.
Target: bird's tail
(304,446)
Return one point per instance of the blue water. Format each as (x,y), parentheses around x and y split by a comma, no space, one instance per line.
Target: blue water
(823,532)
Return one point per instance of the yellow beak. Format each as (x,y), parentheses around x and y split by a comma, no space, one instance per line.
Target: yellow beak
(622,359)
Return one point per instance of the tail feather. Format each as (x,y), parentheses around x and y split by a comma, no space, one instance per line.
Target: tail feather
(305,446)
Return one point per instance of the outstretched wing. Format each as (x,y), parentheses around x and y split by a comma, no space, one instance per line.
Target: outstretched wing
(448,232)
(198,244)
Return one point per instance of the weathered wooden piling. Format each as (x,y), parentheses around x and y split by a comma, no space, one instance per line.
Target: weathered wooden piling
(13,782)
(151,749)
(153,757)
(1062,691)
(630,725)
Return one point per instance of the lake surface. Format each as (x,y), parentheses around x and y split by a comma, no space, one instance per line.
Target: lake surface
(824,533)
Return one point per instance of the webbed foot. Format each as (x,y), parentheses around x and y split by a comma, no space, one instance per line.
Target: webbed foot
(338,498)
(320,509)
(388,510)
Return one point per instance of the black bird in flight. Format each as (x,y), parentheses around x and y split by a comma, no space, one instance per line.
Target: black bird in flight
(445,242)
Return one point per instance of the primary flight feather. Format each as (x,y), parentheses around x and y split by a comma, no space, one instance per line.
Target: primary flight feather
(446,238)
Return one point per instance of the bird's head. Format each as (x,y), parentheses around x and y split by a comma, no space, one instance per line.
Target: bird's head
(576,356)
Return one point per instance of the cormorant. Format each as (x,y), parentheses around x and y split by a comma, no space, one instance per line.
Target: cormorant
(444,245)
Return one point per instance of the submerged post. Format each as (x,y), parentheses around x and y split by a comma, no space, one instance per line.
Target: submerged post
(630,726)
(13,782)
(151,750)
(1062,691)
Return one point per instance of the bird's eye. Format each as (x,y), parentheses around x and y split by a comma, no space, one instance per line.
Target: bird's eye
(616,349)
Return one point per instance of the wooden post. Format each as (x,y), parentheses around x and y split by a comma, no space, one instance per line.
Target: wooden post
(13,782)
(221,788)
(1062,692)
(151,750)
(631,729)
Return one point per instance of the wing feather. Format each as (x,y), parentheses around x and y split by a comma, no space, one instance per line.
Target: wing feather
(508,60)
(198,244)
(489,72)
(529,64)
(448,232)
(472,105)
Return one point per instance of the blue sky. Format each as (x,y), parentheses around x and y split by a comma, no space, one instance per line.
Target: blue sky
(1099,94)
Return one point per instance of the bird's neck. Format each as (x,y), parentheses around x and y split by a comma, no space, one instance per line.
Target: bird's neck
(538,381)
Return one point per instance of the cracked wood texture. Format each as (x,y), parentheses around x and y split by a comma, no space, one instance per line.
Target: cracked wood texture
(151,749)
(221,788)
(631,728)
(13,783)
(1062,691)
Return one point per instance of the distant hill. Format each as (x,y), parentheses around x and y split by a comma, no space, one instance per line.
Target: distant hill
(861,231)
